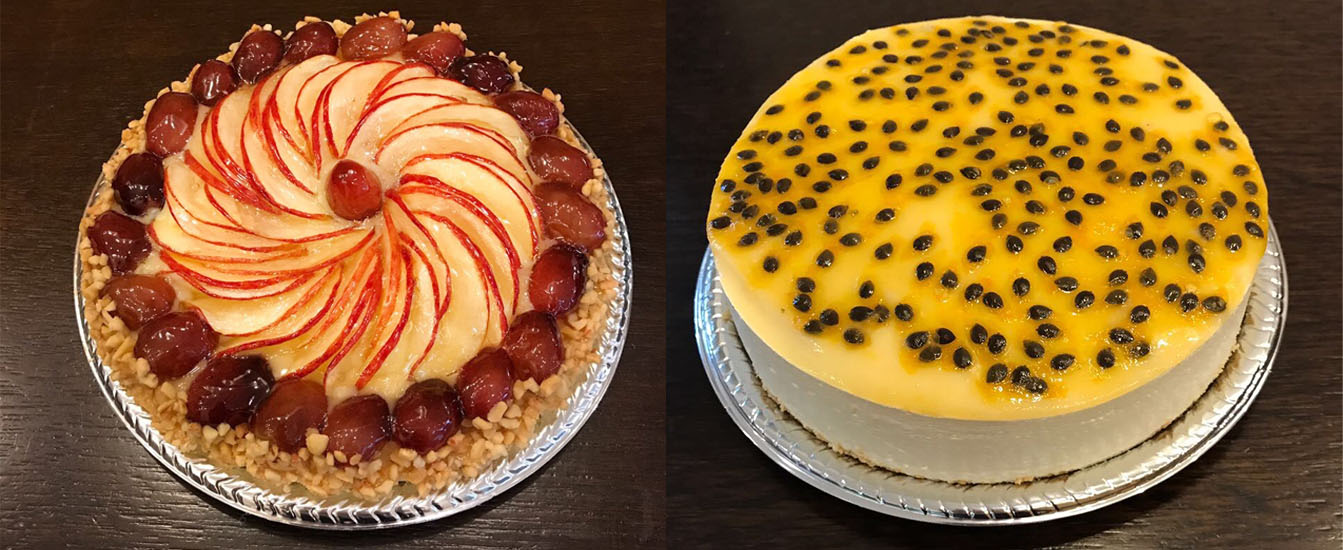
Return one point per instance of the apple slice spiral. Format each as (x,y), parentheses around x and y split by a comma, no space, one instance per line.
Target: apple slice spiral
(373,305)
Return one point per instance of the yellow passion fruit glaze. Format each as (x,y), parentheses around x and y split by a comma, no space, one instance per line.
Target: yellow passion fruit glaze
(988,218)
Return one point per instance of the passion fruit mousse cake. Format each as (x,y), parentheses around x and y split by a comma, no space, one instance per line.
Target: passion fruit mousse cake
(988,249)
(347,258)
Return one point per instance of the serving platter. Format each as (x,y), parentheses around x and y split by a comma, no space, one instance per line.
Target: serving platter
(237,490)
(796,450)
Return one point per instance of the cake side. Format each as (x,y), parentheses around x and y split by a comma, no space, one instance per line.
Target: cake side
(958,451)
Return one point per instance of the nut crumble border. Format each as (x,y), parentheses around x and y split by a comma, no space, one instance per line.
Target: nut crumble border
(481,444)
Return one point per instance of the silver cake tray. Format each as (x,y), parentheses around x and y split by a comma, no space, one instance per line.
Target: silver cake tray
(237,490)
(796,450)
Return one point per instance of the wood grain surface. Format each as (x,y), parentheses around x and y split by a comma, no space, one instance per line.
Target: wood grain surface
(74,73)
(1273,482)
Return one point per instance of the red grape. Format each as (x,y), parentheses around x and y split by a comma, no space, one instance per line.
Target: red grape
(140,298)
(175,342)
(557,161)
(484,381)
(353,191)
(228,390)
(435,49)
(258,54)
(139,183)
(212,81)
(122,239)
(372,39)
(309,40)
(486,73)
(537,115)
(427,415)
(569,216)
(533,344)
(358,426)
(169,124)
(293,407)
(557,279)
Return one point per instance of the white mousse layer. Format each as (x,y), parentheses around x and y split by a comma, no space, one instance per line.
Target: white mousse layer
(972,451)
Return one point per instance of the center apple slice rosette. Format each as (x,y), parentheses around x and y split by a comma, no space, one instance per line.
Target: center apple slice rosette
(348,264)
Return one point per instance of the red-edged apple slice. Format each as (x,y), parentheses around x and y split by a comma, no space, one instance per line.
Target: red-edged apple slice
(297,350)
(495,189)
(295,94)
(402,72)
(187,204)
(448,137)
(274,167)
(342,102)
(233,291)
(393,374)
(473,319)
(484,116)
(166,233)
(237,319)
(316,256)
(387,113)
(480,228)
(277,226)
(437,86)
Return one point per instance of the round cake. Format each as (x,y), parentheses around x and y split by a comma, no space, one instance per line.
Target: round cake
(989,249)
(349,258)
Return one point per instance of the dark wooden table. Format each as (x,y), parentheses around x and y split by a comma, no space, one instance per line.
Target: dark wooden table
(1273,482)
(74,73)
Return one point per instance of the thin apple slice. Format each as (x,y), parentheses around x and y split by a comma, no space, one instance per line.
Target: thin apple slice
(341,104)
(169,235)
(495,189)
(484,116)
(314,256)
(233,319)
(296,352)
(449,137)
(503,257)
(187,204)
(284,106)
(474,318)
(419,336)
(435,85)
(386,113)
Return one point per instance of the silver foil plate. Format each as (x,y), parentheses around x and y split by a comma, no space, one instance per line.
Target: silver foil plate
(796,450)
(352,513)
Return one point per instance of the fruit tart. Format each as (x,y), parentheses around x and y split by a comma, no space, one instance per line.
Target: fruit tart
(349,258)
(989,249)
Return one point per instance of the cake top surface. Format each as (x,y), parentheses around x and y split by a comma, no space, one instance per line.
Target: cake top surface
(989,218)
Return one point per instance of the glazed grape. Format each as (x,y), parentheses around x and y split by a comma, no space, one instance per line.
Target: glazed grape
(484,381)
(358,426)
(372,39)
(486,73)
(557,279)
(294,407)
(139,298)
(427,415)
(228,390)
(557,161)
(122,239)
(212,81)
(353,191)
(258,54)
(174,343)
(537,115)
(139,183)
(312,39)
(436,49)
(533,344)
(169,124)
(569,216)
